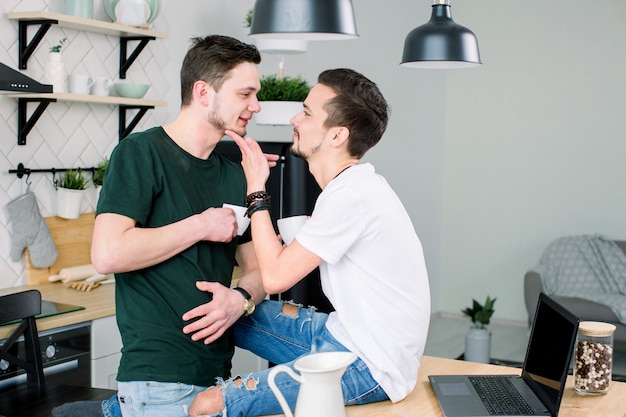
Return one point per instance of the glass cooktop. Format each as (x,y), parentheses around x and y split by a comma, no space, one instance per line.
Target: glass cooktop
(51,308)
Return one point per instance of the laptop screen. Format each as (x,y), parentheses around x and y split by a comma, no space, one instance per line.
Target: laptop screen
(549,352)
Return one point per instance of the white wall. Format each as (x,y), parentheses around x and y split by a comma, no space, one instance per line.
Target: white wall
(534,142)
(492,163)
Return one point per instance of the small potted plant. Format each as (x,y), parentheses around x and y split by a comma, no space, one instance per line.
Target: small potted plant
(54,71)
(98,179)
(98,174)
(478,338)
(276,46)
(281,99)
(70,191)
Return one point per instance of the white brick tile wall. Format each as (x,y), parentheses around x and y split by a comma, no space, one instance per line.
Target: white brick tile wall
(67,134)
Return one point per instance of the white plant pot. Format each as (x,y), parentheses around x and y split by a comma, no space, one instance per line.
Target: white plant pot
(277,113)
(69,202)
(55,73)
(478,345)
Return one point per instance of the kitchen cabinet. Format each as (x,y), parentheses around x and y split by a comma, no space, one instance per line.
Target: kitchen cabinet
(106,346)
(126,34)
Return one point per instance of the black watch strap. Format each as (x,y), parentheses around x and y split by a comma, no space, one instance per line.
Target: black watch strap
(243,292)
(249,305)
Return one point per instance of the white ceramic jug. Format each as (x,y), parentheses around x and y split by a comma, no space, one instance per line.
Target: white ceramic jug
(320,384)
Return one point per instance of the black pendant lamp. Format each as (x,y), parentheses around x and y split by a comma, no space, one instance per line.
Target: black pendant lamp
(441,43)
(313,20)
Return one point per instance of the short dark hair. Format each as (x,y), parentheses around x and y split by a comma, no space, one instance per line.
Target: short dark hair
(359,105)
(210,59)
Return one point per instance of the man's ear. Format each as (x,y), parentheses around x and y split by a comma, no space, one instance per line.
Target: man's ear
(341,136)
(203,92)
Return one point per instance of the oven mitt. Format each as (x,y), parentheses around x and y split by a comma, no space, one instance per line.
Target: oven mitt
(30,231)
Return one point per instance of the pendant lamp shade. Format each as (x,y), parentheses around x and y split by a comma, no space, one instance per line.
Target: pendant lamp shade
(441,43)
(313,20)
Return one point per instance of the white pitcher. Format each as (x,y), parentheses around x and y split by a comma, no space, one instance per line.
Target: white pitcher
(320,384)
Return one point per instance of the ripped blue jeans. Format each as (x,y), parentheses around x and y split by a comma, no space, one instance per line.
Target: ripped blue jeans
(281,335)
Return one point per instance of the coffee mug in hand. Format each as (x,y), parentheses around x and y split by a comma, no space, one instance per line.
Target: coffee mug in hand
(242,220)
(289,226)
(80,83)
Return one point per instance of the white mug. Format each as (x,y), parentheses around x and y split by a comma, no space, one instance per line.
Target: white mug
(288,227)
(80,83)
(101,86)
(243,221)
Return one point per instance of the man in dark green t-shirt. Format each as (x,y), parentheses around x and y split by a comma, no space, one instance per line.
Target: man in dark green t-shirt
(160,227)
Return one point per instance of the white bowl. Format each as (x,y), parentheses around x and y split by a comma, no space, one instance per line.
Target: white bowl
(130,90)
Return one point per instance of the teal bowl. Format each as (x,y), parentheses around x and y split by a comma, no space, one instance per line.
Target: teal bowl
(129,90)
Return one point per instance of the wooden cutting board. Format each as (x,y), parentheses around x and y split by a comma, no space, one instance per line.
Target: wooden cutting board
(72,239)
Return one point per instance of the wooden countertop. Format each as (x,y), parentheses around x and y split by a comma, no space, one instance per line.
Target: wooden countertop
(98,303)
(421,402)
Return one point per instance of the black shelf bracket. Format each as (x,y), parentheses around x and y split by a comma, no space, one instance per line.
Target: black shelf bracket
(125,130)
(26,48)
(24,123)
(127,61)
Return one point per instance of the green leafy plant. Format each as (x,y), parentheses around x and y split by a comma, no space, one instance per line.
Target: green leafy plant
(480,314)
(98,174)
(73,179)
(247,23)
(57,47)
(285,89)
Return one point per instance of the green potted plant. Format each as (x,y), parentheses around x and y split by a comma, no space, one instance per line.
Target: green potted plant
(478,338)
(276,46)
(98,174)
(70,190)
(281,99)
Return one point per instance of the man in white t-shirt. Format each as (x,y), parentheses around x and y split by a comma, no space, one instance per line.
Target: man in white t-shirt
(359,234)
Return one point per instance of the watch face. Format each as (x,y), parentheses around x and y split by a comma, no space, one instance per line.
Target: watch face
(250,306)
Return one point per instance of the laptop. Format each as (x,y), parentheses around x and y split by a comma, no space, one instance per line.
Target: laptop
(539,389)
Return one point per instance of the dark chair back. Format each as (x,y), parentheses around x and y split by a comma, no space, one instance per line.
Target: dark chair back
(35,398)
(23,307)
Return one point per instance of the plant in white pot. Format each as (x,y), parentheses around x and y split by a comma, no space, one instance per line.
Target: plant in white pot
(54,70)
(478,338)
(98,177)
(281,99)
(70,191)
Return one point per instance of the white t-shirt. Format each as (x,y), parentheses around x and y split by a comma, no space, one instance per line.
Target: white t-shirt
(373,274)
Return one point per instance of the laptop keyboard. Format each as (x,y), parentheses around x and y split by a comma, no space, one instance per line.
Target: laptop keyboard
(500,396)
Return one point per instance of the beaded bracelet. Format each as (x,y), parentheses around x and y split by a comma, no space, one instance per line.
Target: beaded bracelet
(256,206)
(256,196)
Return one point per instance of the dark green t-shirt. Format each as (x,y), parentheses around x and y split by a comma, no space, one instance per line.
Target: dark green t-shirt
(153,181)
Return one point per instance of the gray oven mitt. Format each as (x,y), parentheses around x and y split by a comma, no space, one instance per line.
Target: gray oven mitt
(30,230)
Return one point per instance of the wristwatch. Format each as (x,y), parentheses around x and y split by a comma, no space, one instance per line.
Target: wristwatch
(249,304)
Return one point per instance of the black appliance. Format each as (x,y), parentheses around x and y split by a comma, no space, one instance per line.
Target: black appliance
(294,192)
(66,354)
(13,80)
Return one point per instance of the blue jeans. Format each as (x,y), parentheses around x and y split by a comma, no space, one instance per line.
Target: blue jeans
(280,338)
(150,398)
(283,338)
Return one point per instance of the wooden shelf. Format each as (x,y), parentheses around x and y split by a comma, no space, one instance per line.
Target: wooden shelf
(88,98)
(25,123)
(45,20)
(89,25)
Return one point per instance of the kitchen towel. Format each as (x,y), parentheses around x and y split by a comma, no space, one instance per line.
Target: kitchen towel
(30,231)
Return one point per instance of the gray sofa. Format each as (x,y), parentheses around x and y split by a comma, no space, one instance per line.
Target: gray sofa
(585,310)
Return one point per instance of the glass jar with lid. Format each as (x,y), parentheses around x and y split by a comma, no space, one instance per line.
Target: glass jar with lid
(593,358)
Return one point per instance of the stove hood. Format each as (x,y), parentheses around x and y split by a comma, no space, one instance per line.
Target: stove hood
(14,81)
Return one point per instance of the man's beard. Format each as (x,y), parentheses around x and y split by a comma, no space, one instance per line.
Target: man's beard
(299,154)
(218,123)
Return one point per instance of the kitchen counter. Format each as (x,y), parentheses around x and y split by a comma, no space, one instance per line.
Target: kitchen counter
(98,303)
